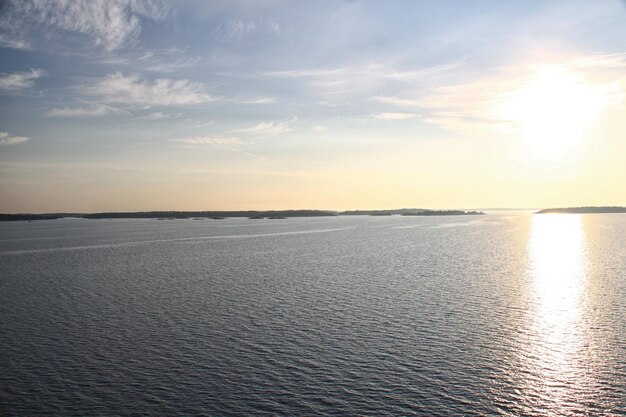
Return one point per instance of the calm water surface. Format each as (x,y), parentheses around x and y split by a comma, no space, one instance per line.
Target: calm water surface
(506,314)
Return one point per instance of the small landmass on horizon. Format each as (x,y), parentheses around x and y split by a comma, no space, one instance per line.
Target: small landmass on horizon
(584,210)
(408,212)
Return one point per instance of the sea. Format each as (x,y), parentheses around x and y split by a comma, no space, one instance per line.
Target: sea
(506,314)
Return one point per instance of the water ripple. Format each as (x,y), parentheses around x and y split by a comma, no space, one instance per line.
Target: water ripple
(296,319)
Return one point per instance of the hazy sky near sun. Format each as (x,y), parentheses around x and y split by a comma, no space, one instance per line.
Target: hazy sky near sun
(145,105)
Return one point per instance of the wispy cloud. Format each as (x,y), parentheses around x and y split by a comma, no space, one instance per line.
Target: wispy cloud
(6,139)
(274,27)
(156,60)
(259,100)
(465,107)
(231,140)
(265,129)
(362,79)
(610,61)
(394,116)
(19,80)
(237,29)
(13,42)
(396,101)
(94,110)
(198,124)
(227,143)
(210,140)
(153,62)
(132,90)
(161,116)
(108,23)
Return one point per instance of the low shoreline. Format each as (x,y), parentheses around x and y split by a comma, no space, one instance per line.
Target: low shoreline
(584,210)
(219,215)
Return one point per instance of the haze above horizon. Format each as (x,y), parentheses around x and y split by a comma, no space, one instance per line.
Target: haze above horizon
(243,105)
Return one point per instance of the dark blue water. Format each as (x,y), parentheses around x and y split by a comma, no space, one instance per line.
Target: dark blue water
(493,315)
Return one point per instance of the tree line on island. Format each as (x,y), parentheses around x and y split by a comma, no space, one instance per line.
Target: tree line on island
(584,210)
(283,214)
(251,214)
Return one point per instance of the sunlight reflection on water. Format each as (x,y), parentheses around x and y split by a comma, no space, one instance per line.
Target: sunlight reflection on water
(520,315)
(557,371)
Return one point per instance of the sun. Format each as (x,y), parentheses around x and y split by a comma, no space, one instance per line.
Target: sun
(553,109)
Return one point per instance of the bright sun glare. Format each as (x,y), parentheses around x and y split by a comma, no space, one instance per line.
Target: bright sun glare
(553,109)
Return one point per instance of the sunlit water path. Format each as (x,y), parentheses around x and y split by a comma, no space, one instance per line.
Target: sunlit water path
(506,314)
(560,377)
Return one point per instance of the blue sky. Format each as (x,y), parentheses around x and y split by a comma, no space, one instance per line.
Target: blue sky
(139,105)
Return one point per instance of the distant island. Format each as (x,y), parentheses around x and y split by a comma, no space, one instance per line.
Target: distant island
(219,215)
(584,210)
(409,212)
(444,213)
(29,217)
(215,215)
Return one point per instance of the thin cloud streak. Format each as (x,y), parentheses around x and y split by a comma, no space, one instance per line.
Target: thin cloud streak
(394,116)
(396,101)
(14,42)
(266,129)
(155,60)
(237,29)
(96,110)
(132,90)
(219,142)
(362,80)
(260,100)
(196,124)
(19,80)
(342,85)
(383,71)
(6,139)
(160,116)
(210,140)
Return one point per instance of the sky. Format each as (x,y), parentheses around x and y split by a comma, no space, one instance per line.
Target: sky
(130,105)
